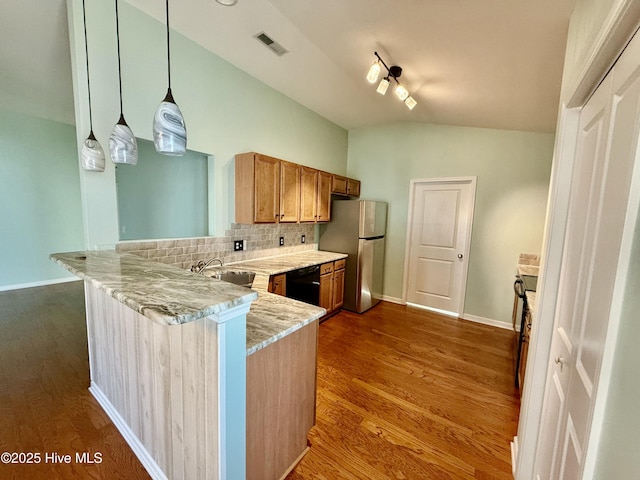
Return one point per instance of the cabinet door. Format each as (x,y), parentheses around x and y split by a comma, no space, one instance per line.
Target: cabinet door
(308,194)
(353,187)
(338,185)
(267,191)
(326,291)
(289,192)
(324,197)
(338,289)
(278,284)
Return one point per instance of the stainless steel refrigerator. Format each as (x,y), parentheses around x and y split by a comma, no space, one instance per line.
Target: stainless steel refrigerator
(358,228)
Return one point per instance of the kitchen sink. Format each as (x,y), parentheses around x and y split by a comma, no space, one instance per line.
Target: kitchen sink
(238,277)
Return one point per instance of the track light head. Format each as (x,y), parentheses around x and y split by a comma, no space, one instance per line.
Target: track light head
(393,72)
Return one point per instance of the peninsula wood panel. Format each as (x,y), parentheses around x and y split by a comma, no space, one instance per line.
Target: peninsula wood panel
(281,383)
(162,381)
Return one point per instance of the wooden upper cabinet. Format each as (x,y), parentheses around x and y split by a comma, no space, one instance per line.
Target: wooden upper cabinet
(289,192)
(270,190)
(338,185)
(267,189)
(353,187)
(345,186)
(308,194)
(323,209)
(315,195)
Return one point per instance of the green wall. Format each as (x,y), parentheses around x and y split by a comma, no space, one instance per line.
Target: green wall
(162,196)
(226,110)
(39,198)
(513,170)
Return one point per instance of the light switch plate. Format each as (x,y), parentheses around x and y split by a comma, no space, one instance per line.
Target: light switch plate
(303,239)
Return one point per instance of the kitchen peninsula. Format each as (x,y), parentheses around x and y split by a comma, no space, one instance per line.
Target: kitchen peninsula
(168,363)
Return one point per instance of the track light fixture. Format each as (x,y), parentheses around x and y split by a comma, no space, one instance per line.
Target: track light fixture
(393,73)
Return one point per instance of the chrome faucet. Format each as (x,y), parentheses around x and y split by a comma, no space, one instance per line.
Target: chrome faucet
(201,265)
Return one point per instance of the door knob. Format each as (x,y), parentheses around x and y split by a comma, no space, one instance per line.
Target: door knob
(460,255)
(560,361)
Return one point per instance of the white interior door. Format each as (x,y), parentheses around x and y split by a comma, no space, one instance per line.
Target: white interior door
(606,152)
(438,238)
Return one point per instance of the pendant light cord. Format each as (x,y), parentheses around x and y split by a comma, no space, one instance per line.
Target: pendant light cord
(118,41)
(86,51)
(168,47)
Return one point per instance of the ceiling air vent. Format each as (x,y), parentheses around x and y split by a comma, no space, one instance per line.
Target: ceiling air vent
(270,43)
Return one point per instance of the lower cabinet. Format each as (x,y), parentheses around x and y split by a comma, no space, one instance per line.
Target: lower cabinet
(332,285)
(278,284)
(281,401)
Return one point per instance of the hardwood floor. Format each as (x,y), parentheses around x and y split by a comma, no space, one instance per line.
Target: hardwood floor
(45,406)
(402,394)
(406,394)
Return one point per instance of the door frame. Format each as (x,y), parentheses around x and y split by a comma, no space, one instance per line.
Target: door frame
(413,183)
(621,24)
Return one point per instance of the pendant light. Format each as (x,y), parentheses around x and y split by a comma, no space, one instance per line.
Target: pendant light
(169,130)
(122,142)
(91,154)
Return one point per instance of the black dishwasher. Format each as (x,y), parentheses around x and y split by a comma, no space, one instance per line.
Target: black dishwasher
(304,284)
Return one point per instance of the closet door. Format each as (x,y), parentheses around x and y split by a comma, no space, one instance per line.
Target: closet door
(605,158)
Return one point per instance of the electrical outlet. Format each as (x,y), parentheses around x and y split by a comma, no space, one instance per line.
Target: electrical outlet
(238,245)
(282,241)
(303,239)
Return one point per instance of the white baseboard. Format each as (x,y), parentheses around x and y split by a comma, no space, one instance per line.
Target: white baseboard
(138,448)
(397,300)
(514,454)
(486,321)
(41,283)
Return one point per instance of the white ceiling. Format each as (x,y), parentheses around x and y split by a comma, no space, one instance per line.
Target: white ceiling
(483,63)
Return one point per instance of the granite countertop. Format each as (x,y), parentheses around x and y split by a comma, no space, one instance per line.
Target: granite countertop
(172,296)
(273,317)
(162,293)
(286,263)
(528,270)
(531,301)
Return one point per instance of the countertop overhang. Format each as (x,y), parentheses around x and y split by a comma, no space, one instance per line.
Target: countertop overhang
(162,293)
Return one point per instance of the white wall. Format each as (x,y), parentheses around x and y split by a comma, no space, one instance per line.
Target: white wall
(513,171)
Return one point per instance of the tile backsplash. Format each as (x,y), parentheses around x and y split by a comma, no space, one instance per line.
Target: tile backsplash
(259,241)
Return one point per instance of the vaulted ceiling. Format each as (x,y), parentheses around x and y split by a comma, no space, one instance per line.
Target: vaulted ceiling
(483,63)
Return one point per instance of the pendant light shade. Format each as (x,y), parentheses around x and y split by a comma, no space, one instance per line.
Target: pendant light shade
(91,154)
(123,146)
(169,129)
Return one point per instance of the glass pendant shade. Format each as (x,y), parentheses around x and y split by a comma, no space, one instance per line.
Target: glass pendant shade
(382,86)
(123,146)
(374,71)
(169,129)
(402,92)
(92,155)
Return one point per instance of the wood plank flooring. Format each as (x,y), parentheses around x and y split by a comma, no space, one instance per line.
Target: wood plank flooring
(406,394)
(45,404)
(402,394)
